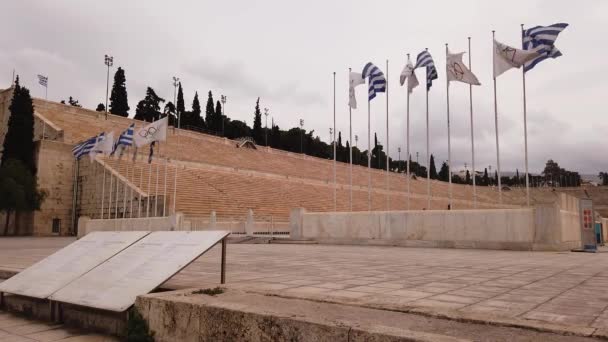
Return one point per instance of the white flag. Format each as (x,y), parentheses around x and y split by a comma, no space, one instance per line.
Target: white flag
(409,74)
(354,79)
(104,145)
(156,131)
(506,57)
(457,71)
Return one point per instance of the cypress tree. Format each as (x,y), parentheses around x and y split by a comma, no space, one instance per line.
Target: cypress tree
(258,134)
(467,178)
(100,108)
(180,106)
(196,112)
(19,139)
(218,116)
(148,109)
(444,172)
(210,113)
(433,169)
(485,180)
(347,152)
(119,104)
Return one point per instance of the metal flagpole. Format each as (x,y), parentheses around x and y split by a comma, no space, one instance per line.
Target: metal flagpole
(496,129)
(124,191)
(350,139)
(156,190)
(523,75)
(472,135)
(165,191)
(335,189)
(388,197)
(117,184)
(110,199)
(428,158)
(149,180)
(175,189)
(131,192)
(103,191)
(408,142)
(369,159)
(141,182)
(447,91)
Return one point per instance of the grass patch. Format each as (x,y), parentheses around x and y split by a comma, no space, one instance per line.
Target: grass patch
(210,292)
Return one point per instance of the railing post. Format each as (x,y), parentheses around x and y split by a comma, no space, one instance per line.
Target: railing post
(223,269)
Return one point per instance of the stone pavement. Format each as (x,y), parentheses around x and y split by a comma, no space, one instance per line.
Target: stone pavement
(18,329)
(564,288)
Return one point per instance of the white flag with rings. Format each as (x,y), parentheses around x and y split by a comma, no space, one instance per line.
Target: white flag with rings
(457,71)
(354,79)
(156,131)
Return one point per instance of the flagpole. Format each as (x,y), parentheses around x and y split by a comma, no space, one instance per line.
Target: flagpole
(110,199)
(523,75)
(472,135)
(175,189)
(156,190)
(408,141)
(350,139)
(165,191)
(103,191)
(496,129)
(149,180)
(388,197)
(428,158)
(141,182)
(334,137)
(117,184)
(369,158)
(124,192)
(447,90)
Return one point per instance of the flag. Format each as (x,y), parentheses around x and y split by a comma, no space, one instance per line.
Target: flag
(506,57)
(457,71)
(43,80)
(155,131)
(542,40)
(354,79)
(424,59)
(124,140)
(409,74)
(86,146)
(376,80)
(104,145)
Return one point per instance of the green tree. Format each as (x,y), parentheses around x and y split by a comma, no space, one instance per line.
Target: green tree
(169,111)
(180,106)
(119,103)
(433,169)
(444,172)
(73,102)
(18,190)
(485,180)
(148,109)
(258,134)
(19,139)
(210,113)
(604,177)
(467,178)
(218,116)
(100,108)
(196,112)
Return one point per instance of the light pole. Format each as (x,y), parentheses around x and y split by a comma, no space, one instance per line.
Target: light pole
(109,61)
(301,130)
(175,84)
(266,114)
(223,98)
(490,175)
(399,166)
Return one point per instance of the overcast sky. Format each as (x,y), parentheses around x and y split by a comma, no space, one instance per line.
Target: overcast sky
(286,51)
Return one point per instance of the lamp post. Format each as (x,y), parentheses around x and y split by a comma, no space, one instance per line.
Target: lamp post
(266,134)
(109,61)
(301,130)
(223,98)
(175,84)
(399,166)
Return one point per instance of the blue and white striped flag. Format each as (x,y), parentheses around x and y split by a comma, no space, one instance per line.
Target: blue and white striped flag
(124,140)
(542,40)
(43,80)
(86,146)
(376,80)
(424,59)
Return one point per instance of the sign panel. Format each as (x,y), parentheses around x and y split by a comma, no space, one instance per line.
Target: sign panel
(64,266)
(587,225)
(139,269)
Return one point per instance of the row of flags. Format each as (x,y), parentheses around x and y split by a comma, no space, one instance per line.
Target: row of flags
(538,45)
(104,143)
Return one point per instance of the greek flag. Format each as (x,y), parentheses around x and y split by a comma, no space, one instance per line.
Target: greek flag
(424,59)
(376,80)
(86,146)
(43,80)
(542,40)
(124,140)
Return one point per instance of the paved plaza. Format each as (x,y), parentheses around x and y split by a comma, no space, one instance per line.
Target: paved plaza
(565,288)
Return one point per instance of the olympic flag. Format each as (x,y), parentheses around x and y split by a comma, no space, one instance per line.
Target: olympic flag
(156,131)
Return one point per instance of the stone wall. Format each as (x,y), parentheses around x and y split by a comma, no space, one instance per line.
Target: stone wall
(546,227)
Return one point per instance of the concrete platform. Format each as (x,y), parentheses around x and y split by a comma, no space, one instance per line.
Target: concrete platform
(566,290)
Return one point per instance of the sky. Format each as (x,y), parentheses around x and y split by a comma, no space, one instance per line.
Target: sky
(286,52)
